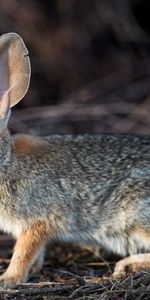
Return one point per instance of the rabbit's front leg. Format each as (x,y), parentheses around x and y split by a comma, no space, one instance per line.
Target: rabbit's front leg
(133,263)
(26,249)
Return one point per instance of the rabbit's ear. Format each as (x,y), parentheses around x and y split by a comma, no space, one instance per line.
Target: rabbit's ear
(14,70)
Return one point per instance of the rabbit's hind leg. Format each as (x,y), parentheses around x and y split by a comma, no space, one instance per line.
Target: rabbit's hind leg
(133,263)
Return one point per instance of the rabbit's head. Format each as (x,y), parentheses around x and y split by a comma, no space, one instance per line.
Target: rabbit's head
(14,81)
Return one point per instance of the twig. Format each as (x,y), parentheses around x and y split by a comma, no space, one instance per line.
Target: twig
(36,290)
(86,289)
(69,274)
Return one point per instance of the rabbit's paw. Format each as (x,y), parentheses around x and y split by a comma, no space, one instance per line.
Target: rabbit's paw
(120,270)
(7,281)
(131,264)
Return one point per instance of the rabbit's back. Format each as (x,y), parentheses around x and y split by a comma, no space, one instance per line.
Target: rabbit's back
(82,164)
(85,166)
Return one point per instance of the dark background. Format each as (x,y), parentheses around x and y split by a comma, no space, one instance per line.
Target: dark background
(90,65)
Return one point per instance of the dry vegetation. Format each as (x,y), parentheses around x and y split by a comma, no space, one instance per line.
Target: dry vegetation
(90,73)
(75,273)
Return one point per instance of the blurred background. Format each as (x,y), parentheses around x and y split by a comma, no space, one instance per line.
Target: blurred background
(90,65)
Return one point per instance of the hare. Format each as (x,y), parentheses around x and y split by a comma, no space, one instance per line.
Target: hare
(88,189)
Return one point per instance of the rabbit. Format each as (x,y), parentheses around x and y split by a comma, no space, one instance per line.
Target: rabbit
(86,189)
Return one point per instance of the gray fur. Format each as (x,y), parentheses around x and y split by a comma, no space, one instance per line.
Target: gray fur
(98,187)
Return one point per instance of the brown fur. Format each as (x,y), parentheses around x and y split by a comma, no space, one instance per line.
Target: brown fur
(25,144)
(144,233)
(26,248)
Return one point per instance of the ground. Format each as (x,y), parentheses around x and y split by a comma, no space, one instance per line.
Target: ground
(72,272)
